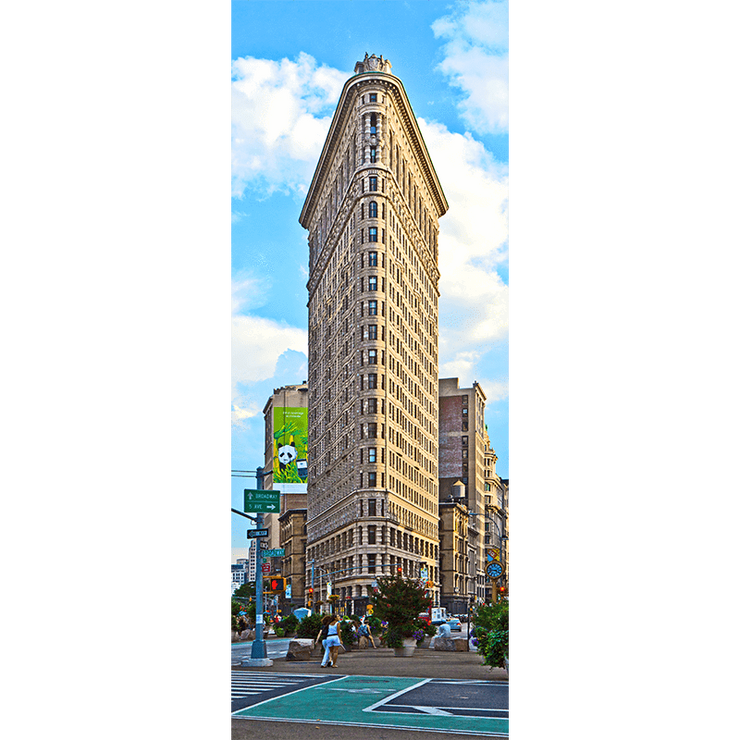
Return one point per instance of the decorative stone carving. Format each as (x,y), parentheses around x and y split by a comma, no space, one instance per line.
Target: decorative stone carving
(373,64)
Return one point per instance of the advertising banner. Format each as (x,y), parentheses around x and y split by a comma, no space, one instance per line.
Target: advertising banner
(289,465)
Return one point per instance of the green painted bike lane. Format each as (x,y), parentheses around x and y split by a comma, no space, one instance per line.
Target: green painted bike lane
(347,700)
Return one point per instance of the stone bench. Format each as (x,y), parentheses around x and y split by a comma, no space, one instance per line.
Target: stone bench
(300,648)
(451,644)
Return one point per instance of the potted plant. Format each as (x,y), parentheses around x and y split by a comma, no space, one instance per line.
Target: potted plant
(399,601)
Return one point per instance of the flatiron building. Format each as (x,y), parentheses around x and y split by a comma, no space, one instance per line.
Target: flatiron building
(372,214)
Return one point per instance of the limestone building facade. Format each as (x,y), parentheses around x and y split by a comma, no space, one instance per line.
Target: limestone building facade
(372,214)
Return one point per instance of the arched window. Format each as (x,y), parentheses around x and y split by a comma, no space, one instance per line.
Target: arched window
(373,210)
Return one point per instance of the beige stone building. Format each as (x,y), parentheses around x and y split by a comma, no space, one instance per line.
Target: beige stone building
(458,561)
(507,488)
(372,215)
(496,530)
(293,541)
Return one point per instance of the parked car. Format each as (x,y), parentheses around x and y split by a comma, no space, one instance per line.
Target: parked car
(455,625)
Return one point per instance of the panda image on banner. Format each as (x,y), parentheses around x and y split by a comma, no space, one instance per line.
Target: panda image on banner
(286,454)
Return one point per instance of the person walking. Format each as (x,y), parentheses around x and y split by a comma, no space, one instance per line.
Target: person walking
(324,636)
(333,642)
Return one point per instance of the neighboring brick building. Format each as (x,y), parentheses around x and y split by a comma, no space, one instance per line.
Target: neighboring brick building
(372,214)
(462,440)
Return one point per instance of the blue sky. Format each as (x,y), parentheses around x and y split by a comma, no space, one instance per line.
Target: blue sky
(289,63)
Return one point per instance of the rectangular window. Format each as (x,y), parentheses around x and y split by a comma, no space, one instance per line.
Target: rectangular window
(371,454)
(371,562)
(371,506)
(372,433)
(372,380)
(372,331)
(373,97)
(373,183)
(372,234)
(372,308)
(373,155)
(372,357)
(372,257)
(372,482)
(372,283)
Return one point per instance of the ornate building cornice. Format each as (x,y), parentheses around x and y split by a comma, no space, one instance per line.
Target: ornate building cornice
(395,88)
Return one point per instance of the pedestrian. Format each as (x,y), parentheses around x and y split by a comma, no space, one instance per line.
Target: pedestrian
(332,641)
(324,636)
(366,634)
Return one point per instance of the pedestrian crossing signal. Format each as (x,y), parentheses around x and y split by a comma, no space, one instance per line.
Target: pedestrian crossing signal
(273,585)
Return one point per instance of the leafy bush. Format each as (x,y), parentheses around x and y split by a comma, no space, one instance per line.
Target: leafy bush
(279,632)
(290,624)
(309,626)
(349,636)
(492,633)
(373,623)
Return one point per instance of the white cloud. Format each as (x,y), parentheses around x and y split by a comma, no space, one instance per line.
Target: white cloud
(495,390)
(473,242)
(281,112)
(257,344)
(476,60)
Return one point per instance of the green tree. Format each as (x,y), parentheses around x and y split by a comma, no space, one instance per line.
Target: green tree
(399,601)
(246,590)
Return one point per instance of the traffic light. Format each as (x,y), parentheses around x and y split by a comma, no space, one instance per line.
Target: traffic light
(273,585)
(399,570)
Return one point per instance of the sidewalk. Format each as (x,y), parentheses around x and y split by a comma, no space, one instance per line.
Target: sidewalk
(424,663)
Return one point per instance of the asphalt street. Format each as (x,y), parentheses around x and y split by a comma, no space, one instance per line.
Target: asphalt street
(276,648)
(371,694)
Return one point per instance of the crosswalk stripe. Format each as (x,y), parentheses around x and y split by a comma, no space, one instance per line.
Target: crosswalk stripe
(244,684)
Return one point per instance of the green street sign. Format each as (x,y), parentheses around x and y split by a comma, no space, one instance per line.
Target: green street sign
(256,501)
(278,552)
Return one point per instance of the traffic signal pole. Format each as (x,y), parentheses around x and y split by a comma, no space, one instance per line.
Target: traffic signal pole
(259,649)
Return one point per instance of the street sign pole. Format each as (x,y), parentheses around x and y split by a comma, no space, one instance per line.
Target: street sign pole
(259,649)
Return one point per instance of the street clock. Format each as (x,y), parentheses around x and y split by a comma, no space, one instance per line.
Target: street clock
(494,570)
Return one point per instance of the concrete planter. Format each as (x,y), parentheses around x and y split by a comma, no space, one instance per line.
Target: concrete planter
(409,645)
